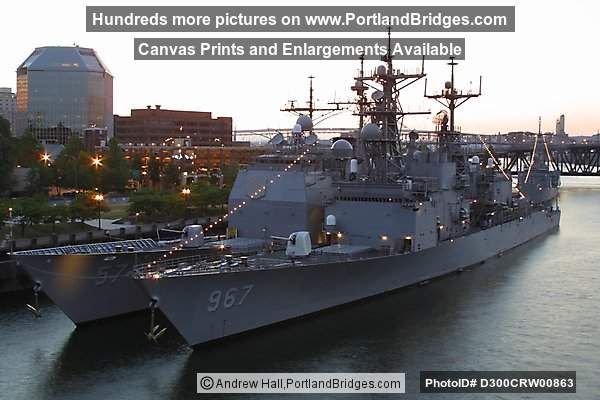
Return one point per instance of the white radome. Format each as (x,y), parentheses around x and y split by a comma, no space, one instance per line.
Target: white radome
(305,122)
(342,149)
(370,131)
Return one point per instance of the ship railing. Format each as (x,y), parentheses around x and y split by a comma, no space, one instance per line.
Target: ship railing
(171,263)
(93,248)
(415,184)
(195,265)
(204,264)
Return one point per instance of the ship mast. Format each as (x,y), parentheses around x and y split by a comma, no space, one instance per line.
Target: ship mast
(385,111)
(311,107)
(450,98)
(360,89)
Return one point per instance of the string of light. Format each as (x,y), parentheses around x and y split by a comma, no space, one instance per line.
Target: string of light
(532,160)
(256,194)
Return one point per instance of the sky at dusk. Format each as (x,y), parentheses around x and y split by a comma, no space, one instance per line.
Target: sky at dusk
(548,67)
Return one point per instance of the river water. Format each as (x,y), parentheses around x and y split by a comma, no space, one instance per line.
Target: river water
(535,308)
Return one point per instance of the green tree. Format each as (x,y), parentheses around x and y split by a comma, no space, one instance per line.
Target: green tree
(154,204)
(115,172)
(31,210)
(85,207)
(28,150)
(56,212)
(230,173)
(171,175)
(208,199)
(153,170)
(5,204)
(33,181)
(74,167)
(214,178)
(7,156)
(46,177)
(135,167)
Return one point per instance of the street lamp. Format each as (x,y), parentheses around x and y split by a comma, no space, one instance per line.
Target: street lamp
(185,192)
(46,158)
(99,199)
(10,221)
(96,161)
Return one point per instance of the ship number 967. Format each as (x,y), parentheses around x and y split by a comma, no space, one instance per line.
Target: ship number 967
(228,298)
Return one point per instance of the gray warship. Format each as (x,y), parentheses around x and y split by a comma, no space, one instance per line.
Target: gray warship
(362,216)
(91,282)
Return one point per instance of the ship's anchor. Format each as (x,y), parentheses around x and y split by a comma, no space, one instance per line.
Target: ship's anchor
(35,309)
(155,331)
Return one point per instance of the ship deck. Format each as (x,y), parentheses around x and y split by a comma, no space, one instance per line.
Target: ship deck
(231,263)
(94,248)
(142,245)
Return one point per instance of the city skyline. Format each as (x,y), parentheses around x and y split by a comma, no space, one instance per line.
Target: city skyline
(543,69)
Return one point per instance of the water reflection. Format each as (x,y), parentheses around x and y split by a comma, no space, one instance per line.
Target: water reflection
(534,308)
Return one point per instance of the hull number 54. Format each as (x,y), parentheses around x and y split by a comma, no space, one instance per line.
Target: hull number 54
(228,298)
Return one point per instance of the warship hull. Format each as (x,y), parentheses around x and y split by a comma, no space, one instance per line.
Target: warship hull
(206,307)
(89,287)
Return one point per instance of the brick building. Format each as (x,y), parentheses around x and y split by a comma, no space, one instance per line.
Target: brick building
(157,126)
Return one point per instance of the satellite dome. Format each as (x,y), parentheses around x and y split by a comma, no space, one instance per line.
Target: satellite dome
(381,70)
(305,122)
(342,148)
(311,139)
(448,85)
(297,128)
(370,132)
(377,95)
(277,139)
(330,220)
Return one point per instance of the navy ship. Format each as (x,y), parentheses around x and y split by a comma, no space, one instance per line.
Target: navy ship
(91,282)
(362,216)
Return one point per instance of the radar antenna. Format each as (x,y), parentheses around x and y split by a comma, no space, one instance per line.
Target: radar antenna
(448,137)
(311,107)
(452,99)
(381,142)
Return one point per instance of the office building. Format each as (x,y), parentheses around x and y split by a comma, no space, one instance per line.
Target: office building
(560,126)
(61,91)
(158,126)
(8,107)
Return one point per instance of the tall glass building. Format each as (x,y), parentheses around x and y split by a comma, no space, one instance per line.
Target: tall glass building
(61,91)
